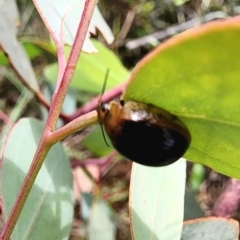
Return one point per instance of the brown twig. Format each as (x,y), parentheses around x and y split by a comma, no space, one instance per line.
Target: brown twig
(160,35)
(125,29)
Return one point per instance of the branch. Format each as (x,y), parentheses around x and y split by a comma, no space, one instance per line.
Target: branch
(59,96)
(55,109)
(160,35)
(92,105)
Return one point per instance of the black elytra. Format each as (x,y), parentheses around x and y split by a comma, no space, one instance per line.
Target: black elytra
(144,133)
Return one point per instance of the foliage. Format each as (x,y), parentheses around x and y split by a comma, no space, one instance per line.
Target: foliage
(187,75)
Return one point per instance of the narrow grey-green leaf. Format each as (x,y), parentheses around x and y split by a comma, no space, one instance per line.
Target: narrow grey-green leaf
(100,225)
(157,201)
(48,211)
(15,51)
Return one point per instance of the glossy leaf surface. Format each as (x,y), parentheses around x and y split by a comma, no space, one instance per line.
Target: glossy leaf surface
(195,75)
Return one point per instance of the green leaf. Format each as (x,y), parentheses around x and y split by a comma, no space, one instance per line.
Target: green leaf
(91,70)
(216,228)
(195,75)
(3,59)
(179,2)
(96,144)
(48,211)
(196,176)
(34,47)
(32,50)
(15,51)
(156,201)
(100,224)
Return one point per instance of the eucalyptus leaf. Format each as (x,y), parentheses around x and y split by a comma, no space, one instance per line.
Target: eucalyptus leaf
(96,144)
(91,70)
(48,211)
(70,12)
(15,52)
(157,200)
(195,75)
(100,224)
(209,228)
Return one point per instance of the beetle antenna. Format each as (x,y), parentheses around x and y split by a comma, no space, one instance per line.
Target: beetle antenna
(105,140)
(100,101)
(104,86)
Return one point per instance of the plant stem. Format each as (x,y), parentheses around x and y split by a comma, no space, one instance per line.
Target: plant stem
(46,142)
(4,117)
(54,112)
(109,95)
(75,125)
(60,95)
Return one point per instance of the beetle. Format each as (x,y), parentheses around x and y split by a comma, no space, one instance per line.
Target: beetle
(144,133)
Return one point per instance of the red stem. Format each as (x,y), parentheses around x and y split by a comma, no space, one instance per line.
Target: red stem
(5,118)
(55,109)
(92,105)
(59,96)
